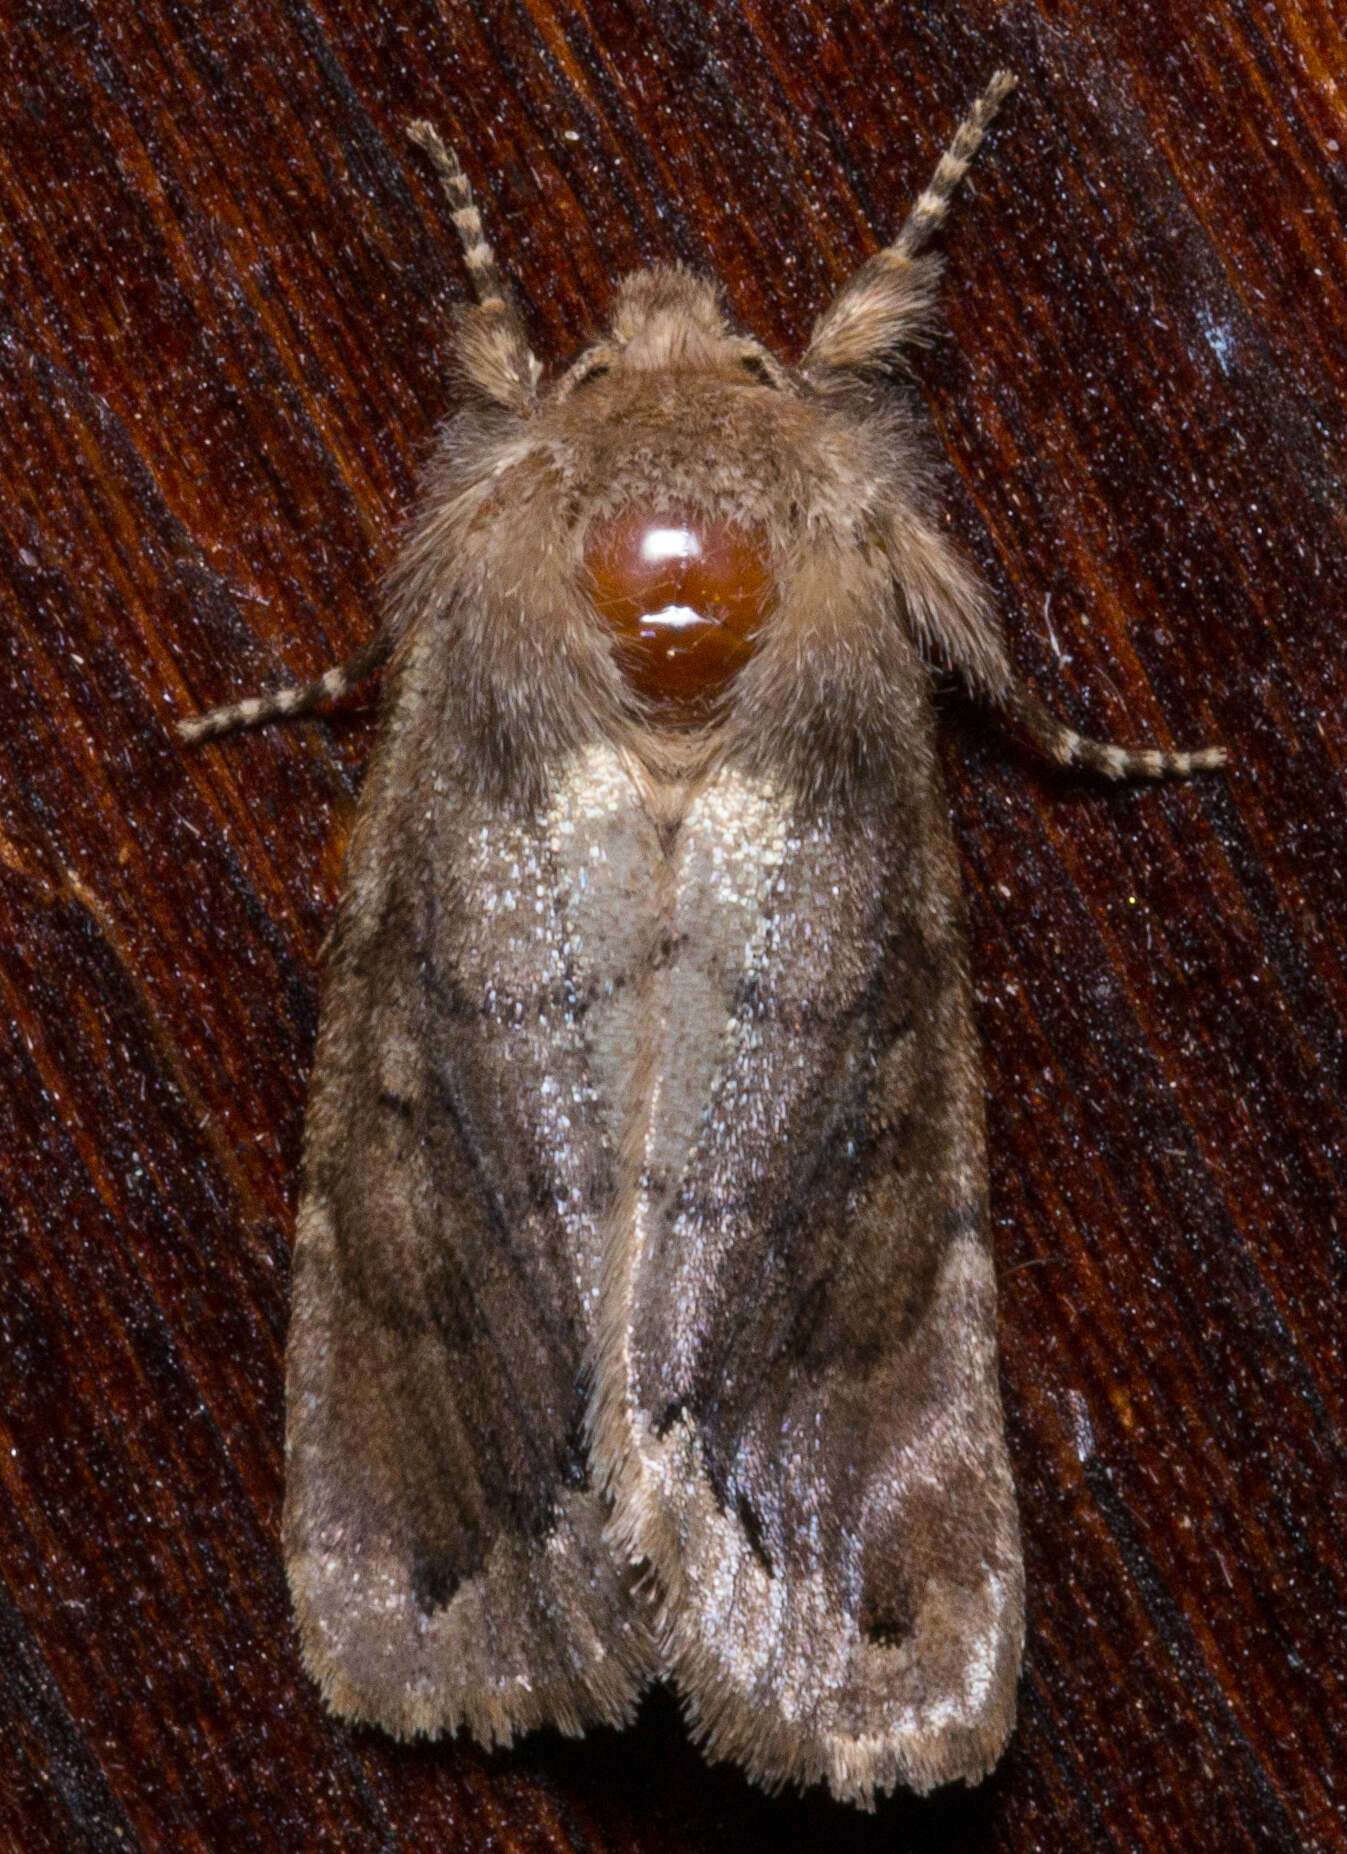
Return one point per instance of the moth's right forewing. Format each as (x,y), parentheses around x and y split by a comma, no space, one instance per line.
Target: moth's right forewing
(444,1546)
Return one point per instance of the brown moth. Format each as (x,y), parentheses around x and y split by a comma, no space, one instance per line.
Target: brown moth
(644,1318)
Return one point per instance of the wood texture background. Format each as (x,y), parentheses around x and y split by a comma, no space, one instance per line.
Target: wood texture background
(226,277)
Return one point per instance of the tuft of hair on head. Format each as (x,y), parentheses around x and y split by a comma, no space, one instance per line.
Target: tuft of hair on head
(666,290)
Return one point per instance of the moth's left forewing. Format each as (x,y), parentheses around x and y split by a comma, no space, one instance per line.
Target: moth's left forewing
(797,1391)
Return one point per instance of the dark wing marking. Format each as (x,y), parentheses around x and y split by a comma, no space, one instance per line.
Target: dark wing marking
(799,1411)
(444,1549)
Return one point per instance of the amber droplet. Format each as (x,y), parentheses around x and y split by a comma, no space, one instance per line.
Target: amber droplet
(685,596)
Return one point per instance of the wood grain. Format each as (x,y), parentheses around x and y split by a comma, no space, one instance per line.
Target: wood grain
(226,279)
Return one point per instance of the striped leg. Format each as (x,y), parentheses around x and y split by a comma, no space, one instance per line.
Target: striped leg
(493,347)
(1065,747)
(477,253)
(298,699)
(930,209)
(889,300)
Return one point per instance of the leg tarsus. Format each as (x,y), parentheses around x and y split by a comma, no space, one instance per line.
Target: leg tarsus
(288,703)
(888,301)
(1065,747)
(477,253)
(493,348)
(930,209)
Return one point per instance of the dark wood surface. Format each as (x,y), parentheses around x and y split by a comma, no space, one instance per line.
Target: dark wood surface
(226,278)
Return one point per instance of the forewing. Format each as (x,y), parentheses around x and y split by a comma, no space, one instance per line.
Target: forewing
(444,1547)
(801,1415)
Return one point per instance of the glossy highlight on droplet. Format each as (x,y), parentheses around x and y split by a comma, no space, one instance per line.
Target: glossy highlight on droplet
(685,596)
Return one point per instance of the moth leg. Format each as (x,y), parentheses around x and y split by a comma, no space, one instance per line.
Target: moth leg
(492,344)
(296,699)
(926,216)
(953,620)
(1065,747)
(889,299)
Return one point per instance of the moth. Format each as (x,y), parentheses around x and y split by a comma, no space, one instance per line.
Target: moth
(644,1314)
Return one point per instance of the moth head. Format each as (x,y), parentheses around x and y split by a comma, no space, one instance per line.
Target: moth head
(669,320)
